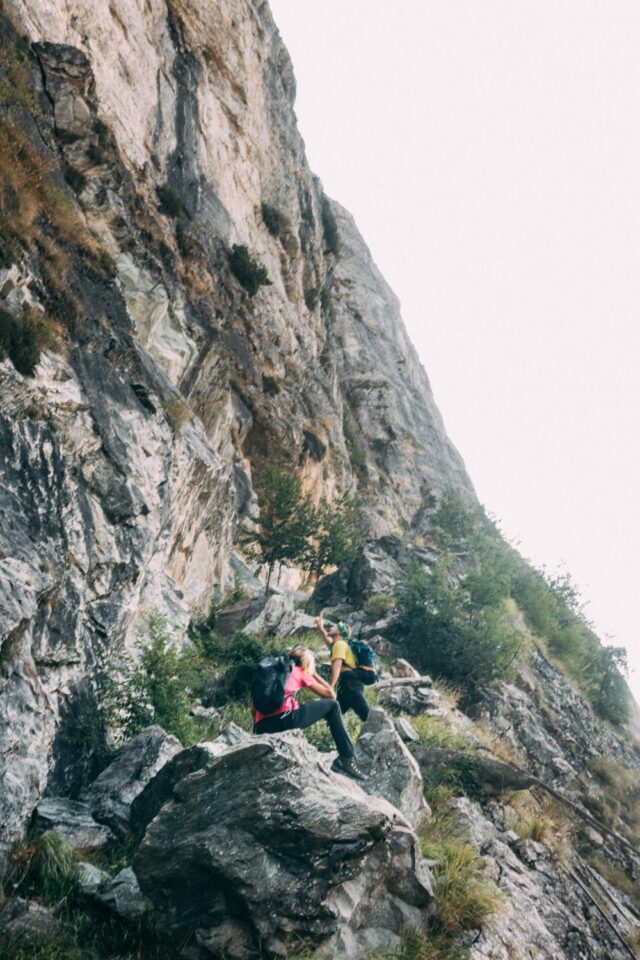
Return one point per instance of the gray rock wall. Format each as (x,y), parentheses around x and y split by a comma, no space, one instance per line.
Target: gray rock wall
(127,458)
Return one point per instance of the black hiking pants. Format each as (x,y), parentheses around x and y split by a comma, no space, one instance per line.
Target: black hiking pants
(351,696)
(308,714)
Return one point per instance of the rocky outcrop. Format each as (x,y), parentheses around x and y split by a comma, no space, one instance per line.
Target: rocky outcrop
(545,911)
(264,844)
(390,768)
(547,720)
(112,793)
(73,822)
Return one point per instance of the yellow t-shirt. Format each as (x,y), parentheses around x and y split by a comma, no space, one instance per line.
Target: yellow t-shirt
(342,651)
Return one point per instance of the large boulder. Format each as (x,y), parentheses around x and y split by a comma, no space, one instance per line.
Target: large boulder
(110,796)
(264,847)
(159,790)
(73,822)
(275,615)
(392,772)
(412,695)
(122,895)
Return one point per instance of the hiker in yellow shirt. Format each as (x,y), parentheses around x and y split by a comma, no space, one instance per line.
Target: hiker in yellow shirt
(344,669)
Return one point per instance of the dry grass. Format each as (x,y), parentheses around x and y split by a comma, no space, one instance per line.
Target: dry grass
(542,820)
(617,878)
(621,796)
(437,733)
(500,747)
(449,693)
(465,898)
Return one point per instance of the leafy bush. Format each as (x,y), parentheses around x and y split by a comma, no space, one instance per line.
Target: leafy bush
(247,269)
(329,227)
(379,605)
(274,221)
(170,203)
(551,605)
(333,536)
(21,340)
(158,688)
(236,657)
(450,632)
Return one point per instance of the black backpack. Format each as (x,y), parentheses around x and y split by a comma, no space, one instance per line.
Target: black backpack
(269,681)
(366,660)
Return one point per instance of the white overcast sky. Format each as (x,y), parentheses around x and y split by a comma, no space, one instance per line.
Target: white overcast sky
(490,153)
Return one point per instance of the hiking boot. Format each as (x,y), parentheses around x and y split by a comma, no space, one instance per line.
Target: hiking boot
(347,766)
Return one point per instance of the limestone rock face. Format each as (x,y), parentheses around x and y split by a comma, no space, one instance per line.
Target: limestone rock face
(127,466)
(265,843)
(545,912)
(391,770)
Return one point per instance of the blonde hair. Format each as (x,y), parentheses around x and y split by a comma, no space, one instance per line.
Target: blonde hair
(303,657)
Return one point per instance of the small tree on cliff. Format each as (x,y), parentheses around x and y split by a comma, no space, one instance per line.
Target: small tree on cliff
(337,535)
(287,520)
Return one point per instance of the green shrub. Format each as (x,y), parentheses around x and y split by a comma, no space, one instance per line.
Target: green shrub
(236,657)
(158,688)
(379,605)
(170,203)
(21,340)
(247,269)
(450,633)
(177,412)
(274,221)
(329,227)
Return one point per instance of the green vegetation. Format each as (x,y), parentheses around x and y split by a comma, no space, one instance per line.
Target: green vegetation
(177,412)
(617,877)
(379,605)
(465,597)
(619,806)
(334,535)
(286,518)
(15,81)
(274,221)
(157,688)
(170,203)
(464,897)
(42,866)
(437,733)
(247,269)
(456,629)
(352,442)
(45,869)
(293,530)
(22,340)
(329,227)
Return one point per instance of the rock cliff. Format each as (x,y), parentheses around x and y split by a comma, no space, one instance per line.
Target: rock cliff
(127,456)
(140,143)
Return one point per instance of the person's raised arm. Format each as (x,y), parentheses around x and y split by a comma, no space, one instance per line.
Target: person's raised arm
(320,626)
